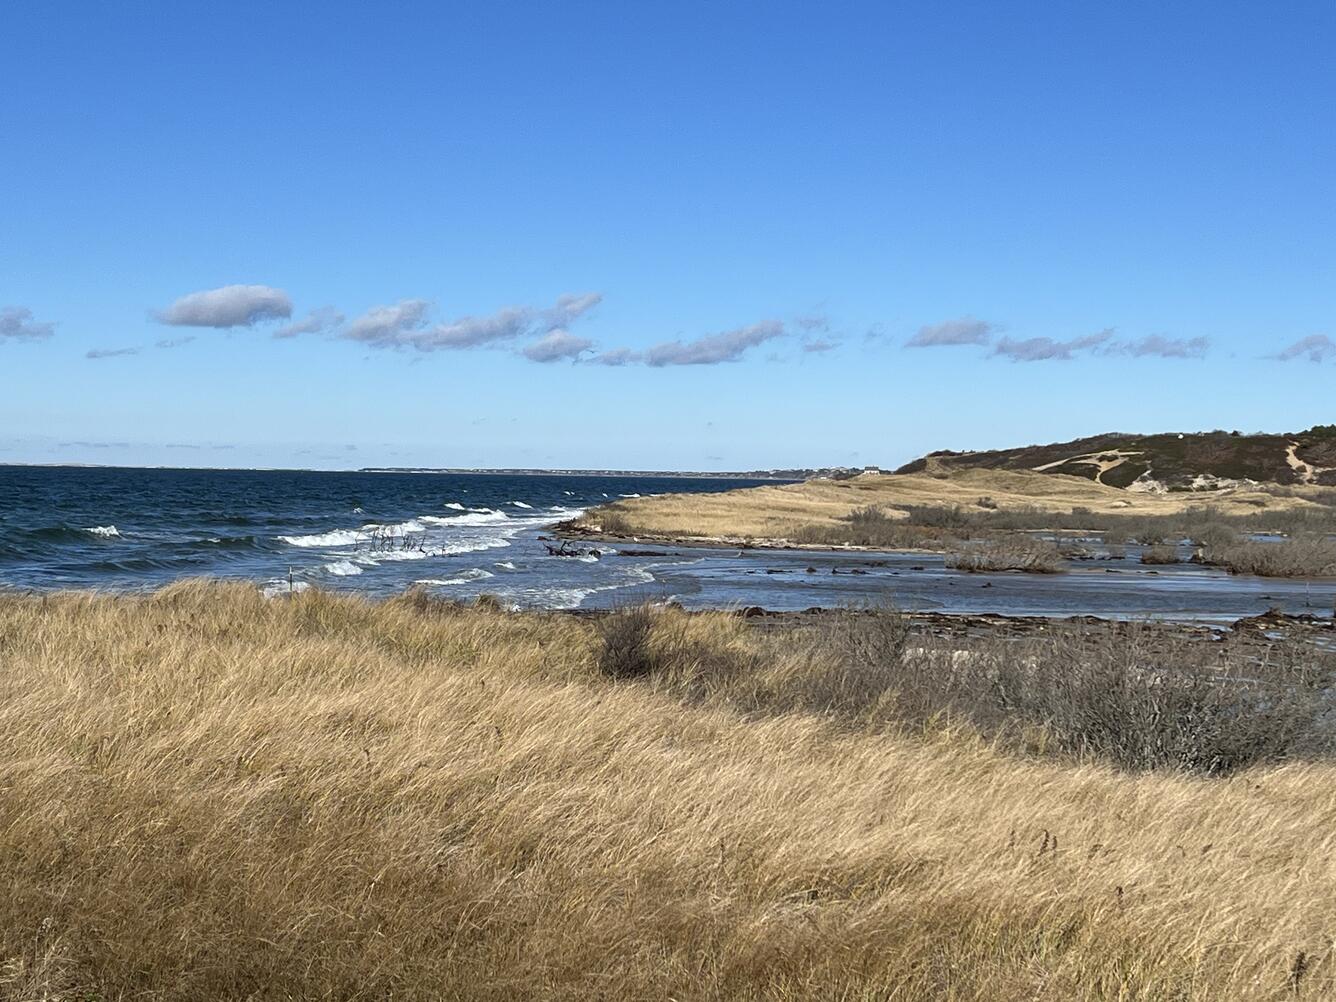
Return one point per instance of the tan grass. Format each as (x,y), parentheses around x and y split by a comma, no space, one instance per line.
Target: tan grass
(208,795)
(782,512)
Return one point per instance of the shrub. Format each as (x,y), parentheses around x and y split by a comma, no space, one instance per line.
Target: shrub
(1136,695)
(1302,556)
(624,650)
(1014,553)
(1164,553)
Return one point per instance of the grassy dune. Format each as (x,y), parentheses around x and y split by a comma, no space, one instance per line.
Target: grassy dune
(787,511)
(204,794)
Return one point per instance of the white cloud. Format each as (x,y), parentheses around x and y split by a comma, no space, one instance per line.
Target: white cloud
(728,346)
(405,325)
(17,323)
(966,330)
(1315,348)
(1163,347)
(110,352)
(316,322)
(616,357)
(230,306)
(821,344)
(389,326)
(556,345)
(1038,349)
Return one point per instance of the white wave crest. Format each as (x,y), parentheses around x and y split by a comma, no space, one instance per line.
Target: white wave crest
(472,518)
(455,505)
(343,568)
(395,528)
(474,574)
(521,504)
(339,537)
(505,565)
(105,531)
(281,586)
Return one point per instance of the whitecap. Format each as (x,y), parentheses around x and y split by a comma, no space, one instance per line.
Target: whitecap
(343,568)
(505,565)
(395,528)
(357,511)
(105,531)
(471,518)
(282,586)
(626,495)
(474,574)
(339,537)
(521,504)
(454,505)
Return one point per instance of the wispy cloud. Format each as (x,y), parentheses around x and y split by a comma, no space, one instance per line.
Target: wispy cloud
(318,321)
(174,342)
(569,309)
(1314,348)
(728,346)
(966,330)
(616,357)
(822,344)
(1039,349)
(557,345)
(1163,347)
(405,325)
(17,324)
(389,326)
(110,352)
(229,306)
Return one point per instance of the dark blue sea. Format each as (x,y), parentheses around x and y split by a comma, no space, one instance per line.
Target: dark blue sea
(459,534)
(463,535)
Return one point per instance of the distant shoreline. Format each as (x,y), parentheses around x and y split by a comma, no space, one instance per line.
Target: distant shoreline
(777,477)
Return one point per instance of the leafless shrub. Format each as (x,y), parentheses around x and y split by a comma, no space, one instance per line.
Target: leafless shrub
(1302,556)
(624,650)
(1137,696)
(1013,553)
(1162,554)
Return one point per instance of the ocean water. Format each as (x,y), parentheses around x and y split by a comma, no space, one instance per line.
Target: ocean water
(129,529)
(463,535)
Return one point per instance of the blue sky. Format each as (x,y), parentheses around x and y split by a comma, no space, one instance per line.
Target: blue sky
(811,234)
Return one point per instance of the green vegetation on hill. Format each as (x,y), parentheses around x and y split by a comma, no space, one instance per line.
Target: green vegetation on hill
(1169,461)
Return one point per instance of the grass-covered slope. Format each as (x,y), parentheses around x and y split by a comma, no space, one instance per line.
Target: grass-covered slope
(1172,461)
(206,795)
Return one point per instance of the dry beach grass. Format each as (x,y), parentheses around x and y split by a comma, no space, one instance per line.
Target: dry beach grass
(785,512)
(204,794)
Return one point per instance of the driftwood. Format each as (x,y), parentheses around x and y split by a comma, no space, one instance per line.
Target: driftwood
(567,550)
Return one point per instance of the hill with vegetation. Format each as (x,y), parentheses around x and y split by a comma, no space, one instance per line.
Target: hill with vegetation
(1164,462)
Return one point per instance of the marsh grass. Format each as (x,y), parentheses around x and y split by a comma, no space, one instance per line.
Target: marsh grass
(1009,553)
(207,795)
